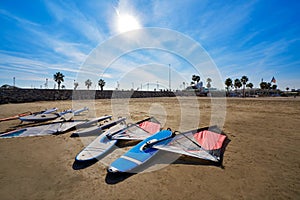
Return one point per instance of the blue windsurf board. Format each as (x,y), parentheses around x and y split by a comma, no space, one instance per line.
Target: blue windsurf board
(140,153)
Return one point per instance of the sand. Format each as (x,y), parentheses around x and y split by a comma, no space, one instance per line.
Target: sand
(261,161)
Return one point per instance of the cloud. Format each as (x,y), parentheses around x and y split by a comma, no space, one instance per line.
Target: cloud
(47,45)
(150,47)
(29,70)
(240,39)
(16,18)
(71,15)
(69,50)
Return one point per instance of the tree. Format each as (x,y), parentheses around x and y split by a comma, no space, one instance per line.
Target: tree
(250,85)
(63,87)
(75,85)
(88,83)
(58,77)
(287,88)
(101,83)
(244,80)
(228,83)
(196,78)
(263,85)
(269,87)
(237,84)
(208,85)
(274,87)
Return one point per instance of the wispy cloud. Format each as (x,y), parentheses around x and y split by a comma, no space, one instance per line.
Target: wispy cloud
(71,15)
(240,38)
(17,19)
(52,53)
(263,60)
(30,70)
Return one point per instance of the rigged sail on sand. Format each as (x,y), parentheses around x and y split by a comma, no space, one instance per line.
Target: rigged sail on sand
(206,143)
(138,131)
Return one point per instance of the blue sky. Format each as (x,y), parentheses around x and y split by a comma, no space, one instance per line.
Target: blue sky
(260,39)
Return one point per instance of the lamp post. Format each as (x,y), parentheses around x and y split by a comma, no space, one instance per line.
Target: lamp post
(46,84)
(170,77)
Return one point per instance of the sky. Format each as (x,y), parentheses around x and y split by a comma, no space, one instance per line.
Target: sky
(103,39)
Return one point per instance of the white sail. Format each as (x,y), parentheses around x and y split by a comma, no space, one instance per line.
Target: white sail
(200,143)
(139,131)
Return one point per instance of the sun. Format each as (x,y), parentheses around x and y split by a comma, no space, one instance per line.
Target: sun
(127,22)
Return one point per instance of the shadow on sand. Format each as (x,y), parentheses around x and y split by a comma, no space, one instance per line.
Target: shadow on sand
(117,177)
(114,178)
(78,165)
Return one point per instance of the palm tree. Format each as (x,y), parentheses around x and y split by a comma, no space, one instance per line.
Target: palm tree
(263,85)
(269,87)
(274,88)
(88,83)
(250,85)
(287,88)
(75,85)
(196,78)
(244,80)
(58,77)
(228,83)
(208,85)
(237,84)
(101,83)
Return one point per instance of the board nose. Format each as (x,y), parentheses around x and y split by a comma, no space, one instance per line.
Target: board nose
(112,170)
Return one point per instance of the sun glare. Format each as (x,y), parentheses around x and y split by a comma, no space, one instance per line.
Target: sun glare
(127,23)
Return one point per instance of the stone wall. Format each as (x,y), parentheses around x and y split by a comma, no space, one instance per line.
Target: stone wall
(31,95)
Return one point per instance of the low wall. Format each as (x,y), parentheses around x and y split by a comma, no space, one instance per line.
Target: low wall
(31,95)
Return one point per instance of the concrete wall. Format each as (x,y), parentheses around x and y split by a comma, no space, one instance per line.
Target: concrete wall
(31,95)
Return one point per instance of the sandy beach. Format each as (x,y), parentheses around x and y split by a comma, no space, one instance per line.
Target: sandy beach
(261,161)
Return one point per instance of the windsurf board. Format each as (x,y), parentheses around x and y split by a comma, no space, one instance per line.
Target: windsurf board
(96,130)
(100,146)
(140,153)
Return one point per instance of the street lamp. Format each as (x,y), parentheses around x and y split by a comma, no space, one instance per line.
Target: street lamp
(170,77)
